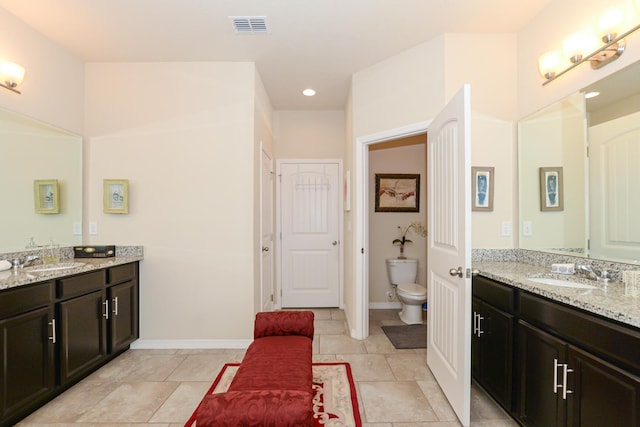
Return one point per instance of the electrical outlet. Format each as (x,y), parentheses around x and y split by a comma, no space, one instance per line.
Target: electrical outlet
(93,228)
(527,228)
(506,228)
(77,229)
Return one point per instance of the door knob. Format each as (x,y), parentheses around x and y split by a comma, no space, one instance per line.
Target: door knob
(456,272)
(335,242)
(265,249)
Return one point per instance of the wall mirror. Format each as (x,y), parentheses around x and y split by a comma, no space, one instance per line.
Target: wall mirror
(34,151)
(595,143)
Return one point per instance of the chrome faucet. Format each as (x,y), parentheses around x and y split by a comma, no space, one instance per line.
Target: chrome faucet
(23,262)
(600,276)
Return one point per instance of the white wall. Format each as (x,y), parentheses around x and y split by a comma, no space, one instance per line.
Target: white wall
(309,134)
(401,156)
(188,155)
(52,90)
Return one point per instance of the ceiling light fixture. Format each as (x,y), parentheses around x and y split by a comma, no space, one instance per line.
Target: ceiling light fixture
(11,75)
(308,92)
(577,46)
(590,95)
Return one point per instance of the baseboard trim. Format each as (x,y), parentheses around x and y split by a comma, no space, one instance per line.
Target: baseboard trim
(189,344)
(384,305)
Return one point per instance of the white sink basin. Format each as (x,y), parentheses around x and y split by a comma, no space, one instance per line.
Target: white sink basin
(54,267)
(561,282)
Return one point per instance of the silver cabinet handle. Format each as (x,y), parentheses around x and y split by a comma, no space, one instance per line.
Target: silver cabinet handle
(106,309)
(480,331)
(565,371)
(556,365)
(115,306)
(53,331)
(475,323)
(456,272)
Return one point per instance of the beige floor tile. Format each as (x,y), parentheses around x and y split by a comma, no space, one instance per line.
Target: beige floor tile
(199,367)
(337,314)
(72,404)
(484,408)
(387,314)
(182,402)
(375,327)
(379,344)
(437,400)
(130,402)
(368,367)
(138,366)
(409,366)
(338,344)
(320,314)
(395,401)
(329,327)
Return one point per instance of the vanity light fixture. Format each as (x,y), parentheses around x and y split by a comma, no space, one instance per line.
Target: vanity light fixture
(11,75)
(579,47)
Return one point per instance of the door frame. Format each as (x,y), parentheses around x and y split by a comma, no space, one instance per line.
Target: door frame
(361,248)
(265,152)
(278,234)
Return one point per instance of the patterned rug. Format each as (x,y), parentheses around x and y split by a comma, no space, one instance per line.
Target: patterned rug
(334,404)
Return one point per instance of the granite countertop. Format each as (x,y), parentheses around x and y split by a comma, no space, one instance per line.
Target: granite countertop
(607,300)
(12,279)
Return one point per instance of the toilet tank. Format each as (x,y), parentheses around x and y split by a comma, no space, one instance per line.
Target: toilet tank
(402,270)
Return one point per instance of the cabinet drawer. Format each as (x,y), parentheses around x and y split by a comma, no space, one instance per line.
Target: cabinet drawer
(81,284)
(496,294)
(25,298)
(122,273)
(611,341)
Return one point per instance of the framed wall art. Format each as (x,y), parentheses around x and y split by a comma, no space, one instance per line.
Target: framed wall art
(482,189)
(47,196)
(551,189)
(397,193)
(116,196)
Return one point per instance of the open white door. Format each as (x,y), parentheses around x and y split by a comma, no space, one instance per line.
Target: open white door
(266,231)
(449,252)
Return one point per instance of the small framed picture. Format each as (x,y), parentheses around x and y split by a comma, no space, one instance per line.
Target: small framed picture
(116,196)
(551,190)
(398,192)
(47,196)
(482,191)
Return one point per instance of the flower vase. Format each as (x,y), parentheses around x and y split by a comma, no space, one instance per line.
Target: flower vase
(402,253)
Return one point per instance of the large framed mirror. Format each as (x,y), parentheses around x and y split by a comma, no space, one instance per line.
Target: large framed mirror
(595,142)
(34,151)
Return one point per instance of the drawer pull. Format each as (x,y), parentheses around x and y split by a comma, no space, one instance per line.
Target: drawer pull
(106,309)
(565,371)
(115,306)
(53,331)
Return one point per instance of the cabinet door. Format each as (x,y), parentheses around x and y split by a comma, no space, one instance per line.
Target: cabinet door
(497,353)
(539,405)
(603,395)
(83,334)
(26,360)
(123,319)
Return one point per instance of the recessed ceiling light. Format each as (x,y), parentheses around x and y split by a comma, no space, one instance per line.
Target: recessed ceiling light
(308,92)
(591,94)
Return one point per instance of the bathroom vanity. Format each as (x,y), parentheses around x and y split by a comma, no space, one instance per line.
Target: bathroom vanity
(554,356)
(58,326)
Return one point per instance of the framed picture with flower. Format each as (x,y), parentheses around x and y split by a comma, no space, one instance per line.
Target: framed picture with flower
(399,192)
(116,196)
(47,196)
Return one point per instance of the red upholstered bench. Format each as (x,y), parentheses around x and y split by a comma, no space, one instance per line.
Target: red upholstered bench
(273,385)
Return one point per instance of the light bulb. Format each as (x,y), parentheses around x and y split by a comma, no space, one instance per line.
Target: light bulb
(609,24)
(548,64)
(11,74)
(578,44)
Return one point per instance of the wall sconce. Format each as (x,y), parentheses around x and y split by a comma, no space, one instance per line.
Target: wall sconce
(579,47)
(11,75)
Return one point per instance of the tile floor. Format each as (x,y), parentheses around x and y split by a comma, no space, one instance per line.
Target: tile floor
(162,387)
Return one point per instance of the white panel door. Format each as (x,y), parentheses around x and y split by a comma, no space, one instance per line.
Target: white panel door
(266,231)
(614,150)
(449,252)
(309,225)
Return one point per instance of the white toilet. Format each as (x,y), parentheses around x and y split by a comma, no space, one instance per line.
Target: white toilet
(402,275)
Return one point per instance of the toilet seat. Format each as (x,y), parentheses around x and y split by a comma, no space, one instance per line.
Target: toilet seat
(413,289)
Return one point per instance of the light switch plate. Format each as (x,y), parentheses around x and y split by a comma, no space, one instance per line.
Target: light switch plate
(527,228)
(93,228)
(77,228)
(506,228)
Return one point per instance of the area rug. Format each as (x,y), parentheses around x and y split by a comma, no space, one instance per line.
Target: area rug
(407,336)
(335,403)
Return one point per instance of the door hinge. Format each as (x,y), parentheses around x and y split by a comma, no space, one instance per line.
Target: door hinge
(271,297)
(362,251)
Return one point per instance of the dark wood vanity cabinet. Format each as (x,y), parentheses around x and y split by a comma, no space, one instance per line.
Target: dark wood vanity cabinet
(27,340)
(55,333)
(563,366)
(492,338)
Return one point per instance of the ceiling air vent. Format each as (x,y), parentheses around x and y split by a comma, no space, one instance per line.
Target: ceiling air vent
(250,24)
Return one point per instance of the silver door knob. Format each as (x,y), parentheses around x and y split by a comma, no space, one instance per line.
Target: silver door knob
(265,249)
(456,272)
(335,242)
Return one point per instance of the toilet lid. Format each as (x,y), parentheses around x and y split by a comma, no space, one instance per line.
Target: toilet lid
(413,289)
